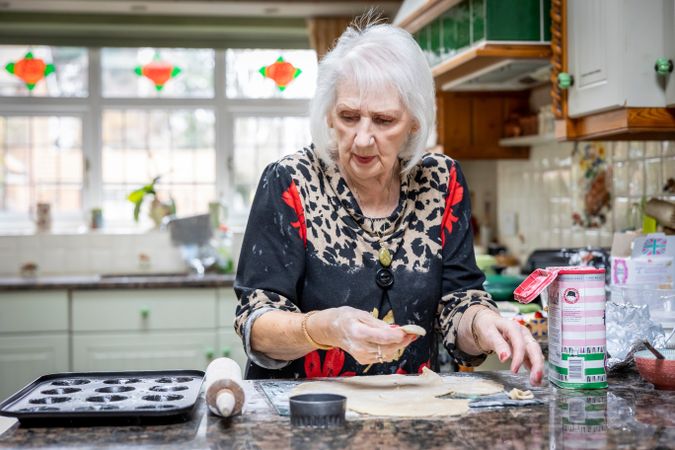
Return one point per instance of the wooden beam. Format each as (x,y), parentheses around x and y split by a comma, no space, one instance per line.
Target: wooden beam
(427,12)
(620,124)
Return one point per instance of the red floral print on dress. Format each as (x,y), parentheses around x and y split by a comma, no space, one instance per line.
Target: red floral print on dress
(426,364)
(332,364)
(455,195)
(292,199)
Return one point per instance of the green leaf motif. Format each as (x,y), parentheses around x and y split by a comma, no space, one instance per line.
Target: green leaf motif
(10,68)
(49,69)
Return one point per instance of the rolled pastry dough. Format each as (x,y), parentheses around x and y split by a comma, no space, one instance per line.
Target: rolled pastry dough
(517,394)
(414,329)
(401,395)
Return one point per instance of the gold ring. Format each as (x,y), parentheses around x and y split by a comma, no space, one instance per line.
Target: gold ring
(378,355)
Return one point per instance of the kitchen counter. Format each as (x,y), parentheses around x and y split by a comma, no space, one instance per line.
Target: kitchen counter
(132,281)
(630,414)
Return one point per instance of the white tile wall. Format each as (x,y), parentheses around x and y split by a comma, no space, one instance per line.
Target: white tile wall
(542,191)
(93,253)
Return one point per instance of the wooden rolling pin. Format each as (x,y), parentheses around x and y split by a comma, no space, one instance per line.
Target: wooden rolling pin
(224,388)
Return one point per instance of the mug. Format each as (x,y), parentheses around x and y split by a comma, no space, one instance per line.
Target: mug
(43,217)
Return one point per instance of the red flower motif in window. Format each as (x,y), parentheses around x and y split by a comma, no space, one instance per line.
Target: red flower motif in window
(31,70)
(292,199)
(281,72)
(158,71)
(332,364)
(455,195)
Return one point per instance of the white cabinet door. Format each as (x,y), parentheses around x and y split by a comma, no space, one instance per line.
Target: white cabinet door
(594,50)
(143,351)
(25,358)
(144,309)
(669,50)
(612,46)
(230,345)
(33,311)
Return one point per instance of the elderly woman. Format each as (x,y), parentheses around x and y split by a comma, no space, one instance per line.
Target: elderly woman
(363,232)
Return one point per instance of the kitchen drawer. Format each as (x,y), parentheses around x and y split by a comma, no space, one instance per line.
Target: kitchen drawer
(144,309)
(227,304)
(25,358)
(143,351)
(33,311)
(230,345)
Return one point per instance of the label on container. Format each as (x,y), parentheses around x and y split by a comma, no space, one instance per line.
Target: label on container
(576,318)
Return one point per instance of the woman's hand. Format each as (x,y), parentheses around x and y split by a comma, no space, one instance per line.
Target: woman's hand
(367,339)
(509,339)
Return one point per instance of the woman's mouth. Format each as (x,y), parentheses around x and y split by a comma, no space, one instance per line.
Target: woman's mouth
(363,159)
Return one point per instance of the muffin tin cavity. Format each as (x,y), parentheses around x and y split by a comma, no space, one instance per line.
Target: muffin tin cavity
(174,380)
(169,388)
(115,389)
(97,395)
(48,400)
(74,382)
(122,381)
(60,391)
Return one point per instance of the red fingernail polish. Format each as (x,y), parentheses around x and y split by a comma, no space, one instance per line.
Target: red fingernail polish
(502,356)
(393,326)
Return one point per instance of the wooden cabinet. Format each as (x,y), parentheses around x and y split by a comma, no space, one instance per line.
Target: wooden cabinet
(33,337)
(470,125)
(605,82)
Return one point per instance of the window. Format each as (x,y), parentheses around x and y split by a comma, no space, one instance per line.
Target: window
(40,161)
(208,133)
(176,145)
(69,78)
(260,141)
(119,77)
(244,79)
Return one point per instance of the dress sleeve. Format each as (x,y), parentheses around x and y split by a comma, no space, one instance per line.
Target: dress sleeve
(272,258)
(462,280)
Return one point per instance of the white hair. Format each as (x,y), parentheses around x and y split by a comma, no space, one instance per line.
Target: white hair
(375,56)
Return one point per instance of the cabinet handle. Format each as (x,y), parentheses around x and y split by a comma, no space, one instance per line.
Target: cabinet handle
(145,312)
(226,352)
(663,66)
(565,80)
(209,353)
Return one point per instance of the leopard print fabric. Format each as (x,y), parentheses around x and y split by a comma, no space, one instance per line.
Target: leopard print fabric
(308,247)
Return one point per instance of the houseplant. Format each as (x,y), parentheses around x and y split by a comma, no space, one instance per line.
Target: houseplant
(158,209)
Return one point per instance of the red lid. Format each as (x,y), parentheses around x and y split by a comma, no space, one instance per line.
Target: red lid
(532,286)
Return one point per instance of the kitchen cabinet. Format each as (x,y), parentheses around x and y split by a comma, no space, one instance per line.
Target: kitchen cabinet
(605,79)
(143,329)
(33,337)
(470,125)
(481,44)
(143,350)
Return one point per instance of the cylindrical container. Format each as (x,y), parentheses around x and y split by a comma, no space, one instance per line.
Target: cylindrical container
(576,323)
(43,217)
(576,328)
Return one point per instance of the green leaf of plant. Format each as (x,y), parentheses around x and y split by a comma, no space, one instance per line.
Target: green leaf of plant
(137,210)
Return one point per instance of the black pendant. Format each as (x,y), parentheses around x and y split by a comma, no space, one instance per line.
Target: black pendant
(384,278)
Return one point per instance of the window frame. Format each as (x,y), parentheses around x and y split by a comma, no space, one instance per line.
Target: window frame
(90,109)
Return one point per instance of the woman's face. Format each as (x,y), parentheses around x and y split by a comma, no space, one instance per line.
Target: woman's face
(371,130)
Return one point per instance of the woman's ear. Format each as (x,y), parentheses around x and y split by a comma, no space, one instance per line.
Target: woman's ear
(415,128)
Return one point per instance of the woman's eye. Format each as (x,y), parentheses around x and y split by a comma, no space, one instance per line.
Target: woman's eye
(383,120)
(349,118)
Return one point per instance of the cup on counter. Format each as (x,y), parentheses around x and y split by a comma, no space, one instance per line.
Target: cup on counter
(43,217)
(96,219)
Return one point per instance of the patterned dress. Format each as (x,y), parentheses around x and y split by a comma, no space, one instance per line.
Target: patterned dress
(308,247)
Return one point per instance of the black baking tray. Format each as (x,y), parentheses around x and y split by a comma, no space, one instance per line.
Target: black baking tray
(106,398)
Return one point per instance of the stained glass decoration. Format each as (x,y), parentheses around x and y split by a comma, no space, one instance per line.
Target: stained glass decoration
(282,72)
(158,71)
(31,70)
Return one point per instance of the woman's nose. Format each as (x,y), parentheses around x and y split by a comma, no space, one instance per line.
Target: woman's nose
(364,136)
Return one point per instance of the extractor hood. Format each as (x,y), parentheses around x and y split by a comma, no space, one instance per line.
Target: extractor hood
(503,75)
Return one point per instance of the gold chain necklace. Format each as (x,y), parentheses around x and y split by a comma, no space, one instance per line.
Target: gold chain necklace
(383,254)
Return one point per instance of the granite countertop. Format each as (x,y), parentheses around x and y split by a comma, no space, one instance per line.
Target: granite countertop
(132,281)
(630,414)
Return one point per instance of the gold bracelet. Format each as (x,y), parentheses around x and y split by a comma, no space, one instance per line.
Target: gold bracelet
(306,333)
(475,335)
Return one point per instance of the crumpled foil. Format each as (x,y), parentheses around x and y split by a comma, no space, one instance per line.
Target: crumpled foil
(628,325)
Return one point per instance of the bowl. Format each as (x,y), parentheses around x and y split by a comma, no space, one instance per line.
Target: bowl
(659,372)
